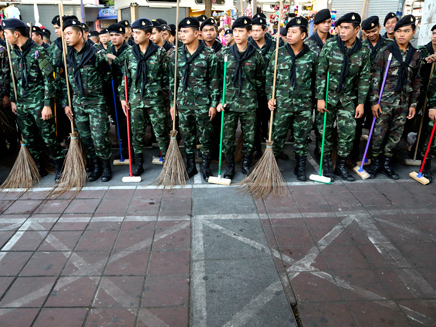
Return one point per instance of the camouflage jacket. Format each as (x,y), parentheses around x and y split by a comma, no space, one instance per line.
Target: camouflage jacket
(356,86)
(409,93)
(5,76)
(426,50)
(119,62)
(38,72)
(289,96)
(252,81)
(310,41)
(202,81)
(384,43)
(157,78)
(56,53)
(95,74)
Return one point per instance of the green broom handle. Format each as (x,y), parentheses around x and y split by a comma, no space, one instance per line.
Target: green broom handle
(323,125)
(222,116)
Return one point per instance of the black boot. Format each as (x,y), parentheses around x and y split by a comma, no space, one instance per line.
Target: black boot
(42,171)
(106,174)
(138,169)
(327,168)
(388,170)
(374,168)
(206,167)
(300,168)
(96,170)
(246,164)
(58,168)
(230,171)
(426,172)
(342,171)
(190,165)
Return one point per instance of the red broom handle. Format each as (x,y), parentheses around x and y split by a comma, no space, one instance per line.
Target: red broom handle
(128,124)
(428,147)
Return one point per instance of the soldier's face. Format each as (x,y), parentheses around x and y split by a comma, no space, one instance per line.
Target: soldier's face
(117,38)
(11,37)
(72,37)
(295,36)
(373,34)
(104,38)
(324,27)
(404,34)
(241,35)
(188,35)
(229,38)
(257,32)
(347,31)
(390,25)
(209,33)
(58,30)
(128,32)
(140,36)
(95,39)
(433,37)
(166,35)
(1,34)
(156,36)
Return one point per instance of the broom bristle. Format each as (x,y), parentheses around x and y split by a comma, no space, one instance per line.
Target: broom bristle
(265,178)
(74,170)
(238,151)
(174,170)
(24,173)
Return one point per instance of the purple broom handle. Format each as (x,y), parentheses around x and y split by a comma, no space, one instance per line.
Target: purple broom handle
(373,120)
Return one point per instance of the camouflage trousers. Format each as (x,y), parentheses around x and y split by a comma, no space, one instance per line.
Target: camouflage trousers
(390,124)
(248,126)
(33,128)
(432,151)
(193,121)
(92,122)
(139,116)
(346,126)
(301,120)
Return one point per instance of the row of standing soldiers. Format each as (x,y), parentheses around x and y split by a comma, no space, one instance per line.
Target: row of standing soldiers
(354,70)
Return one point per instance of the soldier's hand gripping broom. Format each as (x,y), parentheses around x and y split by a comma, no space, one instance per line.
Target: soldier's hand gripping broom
(266,178)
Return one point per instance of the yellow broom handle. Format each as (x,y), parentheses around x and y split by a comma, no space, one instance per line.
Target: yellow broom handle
(175,66)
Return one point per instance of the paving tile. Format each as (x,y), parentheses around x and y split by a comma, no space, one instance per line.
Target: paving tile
(418,254)
(130,224)
(35,195)
(180,240)
(175,206)
(375,314)
(119,292)
(85,263)
(73,292)
(4,204)
(338,256)
(145,206)
(326,315)
(18,317)
(83,206)
(96,241)
(23,207)
(104,223)
(113,206)
(53,206)
(60,241)
(166,291)
(12,262)
(288,236)
(68,317)
(172,317)
(72,222)
(150,193)
(45,264)
(25,241)
(379,261)
(414,309)
(40,222)
(134,239)
(179,192)
(19,294)
(122,263)
(303,253)
(91,194)
(123,194)
(119,317)
(311,288)
(169,262)
(4,284)
(10,195)
(5,237)
(308,197)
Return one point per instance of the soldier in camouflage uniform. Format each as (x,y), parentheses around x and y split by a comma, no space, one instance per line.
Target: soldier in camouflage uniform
(88,73)
(35,89)
(244,81)
(147,73)
(128,35)
(5,77)
(322,23)
(389,23)
(400,95)
(197,93)
(296,71)
(348,63)
(37,37)
(105,39)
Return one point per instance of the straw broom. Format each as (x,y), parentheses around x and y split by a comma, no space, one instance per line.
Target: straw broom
(266,178)
(74,170)
(174,170)
(24,173)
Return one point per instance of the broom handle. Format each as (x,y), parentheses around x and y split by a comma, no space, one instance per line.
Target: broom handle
(64,54)
(374,119)
(222,115)
(128,123)
(175,66)
(423,112)
(323,125)
(271,119)
(428,148)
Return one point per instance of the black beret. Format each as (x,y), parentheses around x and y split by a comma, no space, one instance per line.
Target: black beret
(283,31)
(165,27)
(125,23)
(259,15)
(389,16)
(13,23)
(209,21)
(351,17)
(433,28)
(54,20)
(37,30)
(94,33)
(155,23)
(162,21)
(64,18)
(370,23)
(241,22)
(45,32)
(405,21)
(259,21)
(72,22)
(1,28)
(104,31)
(142,23)
(297,21)
(321,16)
(228,31)
(189,22)
(201,18)
(116,28)
(85,27)
(173,29)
